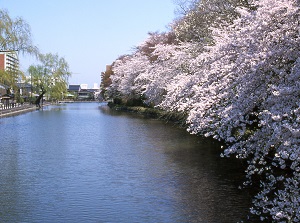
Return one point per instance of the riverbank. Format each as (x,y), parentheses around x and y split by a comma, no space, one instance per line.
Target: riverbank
(177,118)
(19,110)
(31,107)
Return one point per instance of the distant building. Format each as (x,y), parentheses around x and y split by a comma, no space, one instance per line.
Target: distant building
(9,61)
(84,86)
(73,91)
(74,88)
(96,86)
(25,89)
(83,93)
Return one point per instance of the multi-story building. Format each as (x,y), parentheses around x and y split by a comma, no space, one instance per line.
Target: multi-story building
(9,61)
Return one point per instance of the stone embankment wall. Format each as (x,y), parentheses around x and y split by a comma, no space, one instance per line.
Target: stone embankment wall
(16,110)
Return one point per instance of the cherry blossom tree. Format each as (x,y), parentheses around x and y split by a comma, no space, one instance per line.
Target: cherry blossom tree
(172,66)
(243,90)
(126,70)
(246,93)
(149,73)
(199,16)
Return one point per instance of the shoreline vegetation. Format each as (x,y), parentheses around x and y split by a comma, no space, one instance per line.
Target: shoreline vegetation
(173,117)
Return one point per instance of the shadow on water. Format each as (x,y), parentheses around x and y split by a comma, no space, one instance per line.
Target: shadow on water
(83,162)
(205,184)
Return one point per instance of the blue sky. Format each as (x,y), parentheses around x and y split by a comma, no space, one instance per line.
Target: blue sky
(90,33)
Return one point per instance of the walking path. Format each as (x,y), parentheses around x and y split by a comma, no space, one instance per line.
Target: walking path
(17,110)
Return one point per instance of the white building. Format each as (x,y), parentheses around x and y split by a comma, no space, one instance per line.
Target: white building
(9,61)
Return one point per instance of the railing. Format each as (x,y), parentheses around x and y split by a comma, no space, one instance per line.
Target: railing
(5,106)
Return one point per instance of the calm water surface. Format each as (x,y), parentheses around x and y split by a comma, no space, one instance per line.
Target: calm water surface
(82,162)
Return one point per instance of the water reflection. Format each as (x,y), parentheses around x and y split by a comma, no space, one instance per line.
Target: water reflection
(85,163)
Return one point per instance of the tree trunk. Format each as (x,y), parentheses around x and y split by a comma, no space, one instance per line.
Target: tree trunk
(38,100)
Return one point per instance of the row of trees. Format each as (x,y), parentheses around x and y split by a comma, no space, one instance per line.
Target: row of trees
(232,68)
(49,75)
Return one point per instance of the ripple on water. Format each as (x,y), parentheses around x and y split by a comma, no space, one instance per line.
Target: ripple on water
(77,163)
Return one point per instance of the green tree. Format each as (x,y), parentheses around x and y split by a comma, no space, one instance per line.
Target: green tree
(105,81)
(7,78)
(15,37)
(50,76)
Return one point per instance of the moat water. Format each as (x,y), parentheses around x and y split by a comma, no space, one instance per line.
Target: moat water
(82,162)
